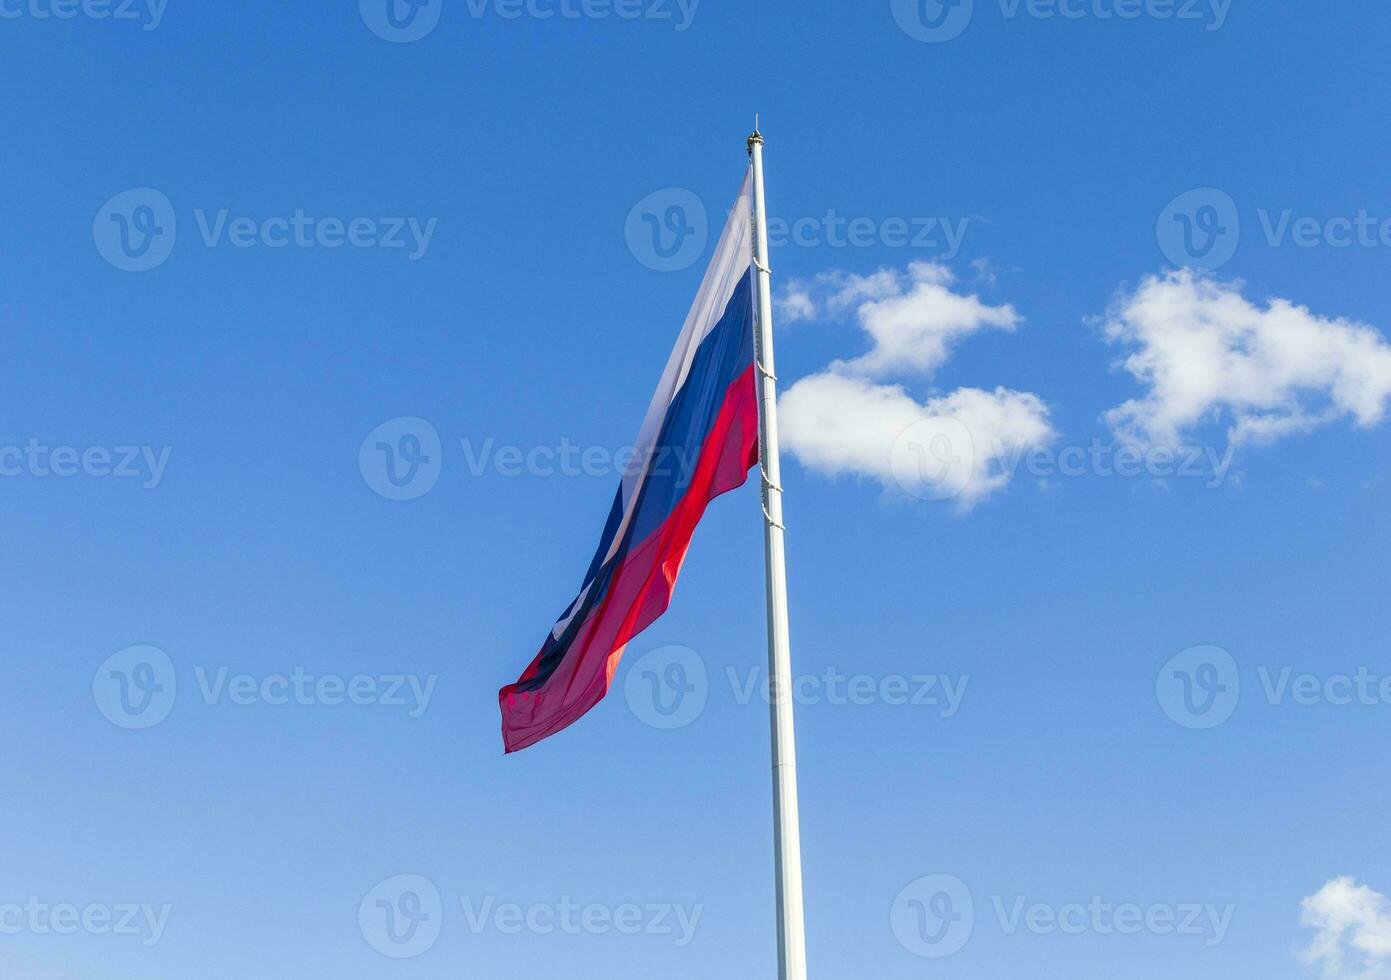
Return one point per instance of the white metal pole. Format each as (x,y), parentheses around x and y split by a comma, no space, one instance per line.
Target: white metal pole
(792,954)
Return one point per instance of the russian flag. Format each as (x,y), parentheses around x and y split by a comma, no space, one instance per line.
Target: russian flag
(699,440)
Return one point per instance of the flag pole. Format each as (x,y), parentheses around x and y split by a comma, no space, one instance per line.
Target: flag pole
(792,955)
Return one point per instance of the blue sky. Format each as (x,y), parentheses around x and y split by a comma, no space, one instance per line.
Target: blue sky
(433,230)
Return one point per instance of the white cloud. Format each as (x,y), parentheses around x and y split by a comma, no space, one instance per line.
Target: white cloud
(985,271)
(837,421)
(795,303)
(1206,354)
(832,292)
(1353,931)
(951,447)
(850,288)
(912,317)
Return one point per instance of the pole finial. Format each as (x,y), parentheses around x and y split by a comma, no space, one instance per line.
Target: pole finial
(755,136)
